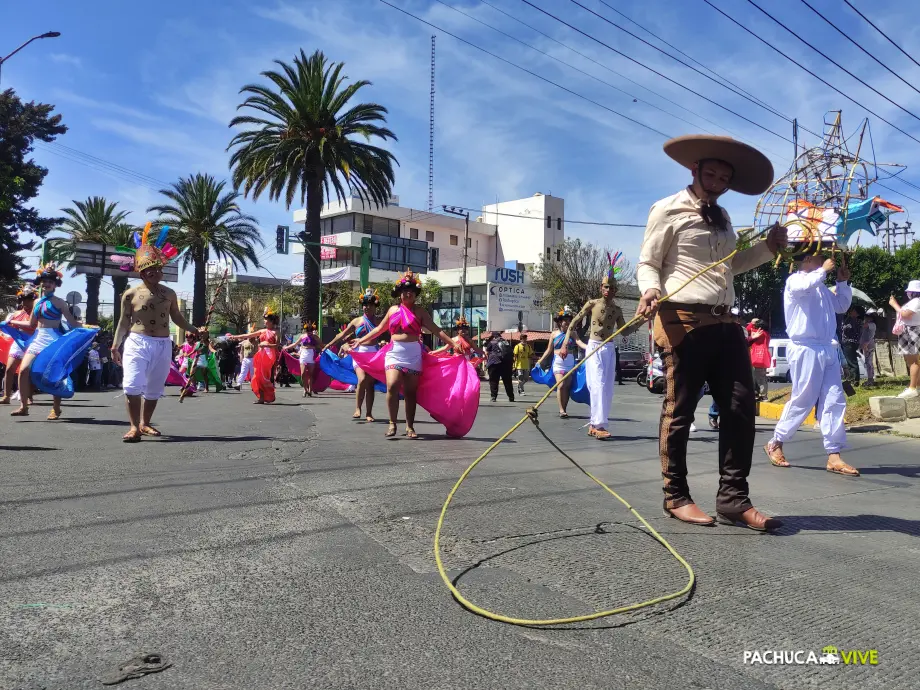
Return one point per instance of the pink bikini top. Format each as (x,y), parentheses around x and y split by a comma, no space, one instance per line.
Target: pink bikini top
(404,321)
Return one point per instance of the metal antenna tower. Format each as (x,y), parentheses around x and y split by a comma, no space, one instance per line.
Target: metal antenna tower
(431,136)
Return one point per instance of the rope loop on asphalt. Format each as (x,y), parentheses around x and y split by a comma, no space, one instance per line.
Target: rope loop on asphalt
(532,415)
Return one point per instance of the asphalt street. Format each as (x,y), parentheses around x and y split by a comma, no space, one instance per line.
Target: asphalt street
(289,546)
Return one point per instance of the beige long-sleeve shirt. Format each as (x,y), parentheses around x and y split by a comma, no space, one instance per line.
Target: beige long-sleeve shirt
(678,243)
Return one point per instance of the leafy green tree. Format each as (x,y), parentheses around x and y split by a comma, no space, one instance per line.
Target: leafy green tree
(93,220)
(305,138)
(207,222)
(21,124)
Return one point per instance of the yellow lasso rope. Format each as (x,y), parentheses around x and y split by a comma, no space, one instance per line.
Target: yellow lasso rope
(532,415)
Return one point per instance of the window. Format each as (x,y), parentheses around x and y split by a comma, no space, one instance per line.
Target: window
(781,352)
(413,233)
(469,242)
(454,240)
(549,254)
(558,255)
(344,223)
(549,222)
(434,259)
(479,296)
(559,224)
(396,253)
(429,235)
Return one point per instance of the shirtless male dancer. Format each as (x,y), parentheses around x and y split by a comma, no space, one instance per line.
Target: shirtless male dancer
(145,313)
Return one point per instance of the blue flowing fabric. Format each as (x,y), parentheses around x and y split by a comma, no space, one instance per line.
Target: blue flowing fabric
(342,369)
(20,338)
(579,390)
(53,365)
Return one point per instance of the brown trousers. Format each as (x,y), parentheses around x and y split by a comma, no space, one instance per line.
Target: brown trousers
(695,351)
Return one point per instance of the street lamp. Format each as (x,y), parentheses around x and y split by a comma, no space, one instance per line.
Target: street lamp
(454,211)
(48,34)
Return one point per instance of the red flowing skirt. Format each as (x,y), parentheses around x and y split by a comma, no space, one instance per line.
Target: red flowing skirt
(262,365)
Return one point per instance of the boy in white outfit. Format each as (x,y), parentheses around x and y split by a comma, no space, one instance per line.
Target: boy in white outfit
(814,366)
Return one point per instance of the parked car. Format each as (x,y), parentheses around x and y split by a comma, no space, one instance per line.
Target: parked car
(779,369)
(631,363)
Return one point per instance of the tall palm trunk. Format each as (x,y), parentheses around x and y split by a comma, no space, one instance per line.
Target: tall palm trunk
(92,299)
(120,284)
(311,270)
(200,293)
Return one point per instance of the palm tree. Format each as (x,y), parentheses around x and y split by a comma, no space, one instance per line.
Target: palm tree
(93,220)
(305,142)
(206,221)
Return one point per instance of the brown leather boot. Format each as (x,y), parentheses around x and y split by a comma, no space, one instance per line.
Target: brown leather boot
(750,518)
(691,514)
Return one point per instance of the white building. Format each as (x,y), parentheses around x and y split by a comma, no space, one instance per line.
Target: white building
(505,241)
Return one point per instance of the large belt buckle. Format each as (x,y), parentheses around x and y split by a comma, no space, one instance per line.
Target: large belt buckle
(719,309)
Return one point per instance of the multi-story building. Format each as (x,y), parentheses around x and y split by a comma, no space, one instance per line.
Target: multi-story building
(504,244)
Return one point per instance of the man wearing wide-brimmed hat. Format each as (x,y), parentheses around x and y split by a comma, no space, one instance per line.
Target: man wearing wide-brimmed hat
(811,310)
(699,341)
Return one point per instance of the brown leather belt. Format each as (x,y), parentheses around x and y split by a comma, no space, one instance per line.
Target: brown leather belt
(714,309)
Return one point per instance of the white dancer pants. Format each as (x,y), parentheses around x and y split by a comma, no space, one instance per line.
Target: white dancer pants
(600,375)
(245,371)
(816,381)
(146,363)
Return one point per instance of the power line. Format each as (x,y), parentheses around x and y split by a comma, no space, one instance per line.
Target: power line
(688,66)
(690,57)
(663,76)
(524,69)
(111,172)
(541,218)
(801,66)
(887,38)
(856,43)
(831,60)
(563,62)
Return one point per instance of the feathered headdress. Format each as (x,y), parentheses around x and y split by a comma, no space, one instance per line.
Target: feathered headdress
(269,314)
(613,269)
(407,279)
(461,322)
(48,271)
(309,325)
(146,254)
(564,313)
(369,297)
(27,292)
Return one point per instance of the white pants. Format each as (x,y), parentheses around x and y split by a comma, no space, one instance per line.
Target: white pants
(245,371)
(146,363)
(816,380)
(600,375)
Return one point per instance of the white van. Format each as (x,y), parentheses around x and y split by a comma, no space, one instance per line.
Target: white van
(779,365)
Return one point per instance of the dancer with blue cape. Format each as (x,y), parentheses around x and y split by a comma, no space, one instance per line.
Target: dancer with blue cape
(563,363)
(143,328)
(17,329)
(338,366)
(51,356)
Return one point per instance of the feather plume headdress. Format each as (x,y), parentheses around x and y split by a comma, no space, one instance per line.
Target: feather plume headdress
(369,297)
(407,279)
(48,271)
(146,254)
(614,269)
(564,313)
(461,322)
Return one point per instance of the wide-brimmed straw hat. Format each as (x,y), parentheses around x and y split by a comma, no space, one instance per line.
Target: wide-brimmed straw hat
(753,171)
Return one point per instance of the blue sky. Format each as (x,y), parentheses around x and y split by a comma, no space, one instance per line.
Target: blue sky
(152,87)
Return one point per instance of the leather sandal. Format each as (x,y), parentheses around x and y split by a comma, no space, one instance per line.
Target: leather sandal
(601,434)
(21,412)
(774,452)
(838,466)
(691,514)
(54,414)
(391,430)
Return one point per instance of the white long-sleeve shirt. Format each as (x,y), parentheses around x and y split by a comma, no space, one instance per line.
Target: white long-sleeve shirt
(810,307)
(678,243)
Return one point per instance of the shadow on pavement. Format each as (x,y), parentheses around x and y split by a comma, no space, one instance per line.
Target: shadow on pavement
(793,524)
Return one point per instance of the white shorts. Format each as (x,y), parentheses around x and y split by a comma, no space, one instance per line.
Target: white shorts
(43,338)
(307,356)
(146,363)
(563,366)
(362,348)
(16,352)
(405,357)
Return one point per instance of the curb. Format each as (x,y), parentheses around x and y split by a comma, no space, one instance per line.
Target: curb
(770,410)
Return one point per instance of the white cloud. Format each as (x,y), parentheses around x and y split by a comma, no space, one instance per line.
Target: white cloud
(65,59)
(107,106)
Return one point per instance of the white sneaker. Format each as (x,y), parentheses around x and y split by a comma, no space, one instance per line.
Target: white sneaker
(15,396)
(909,393)
(692,428)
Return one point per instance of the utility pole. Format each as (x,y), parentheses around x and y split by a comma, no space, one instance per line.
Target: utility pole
(454,211)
